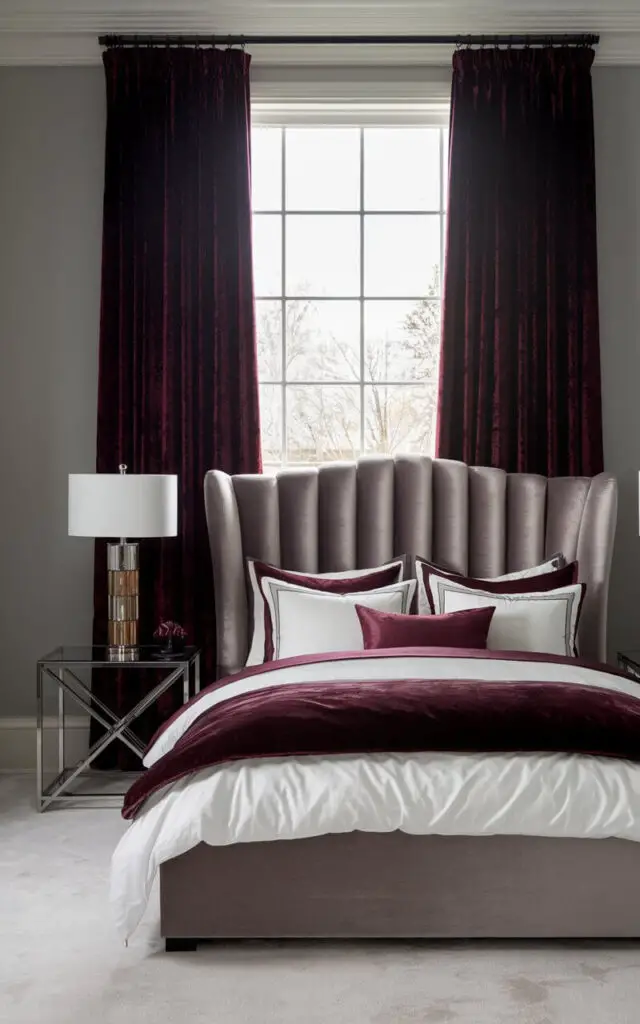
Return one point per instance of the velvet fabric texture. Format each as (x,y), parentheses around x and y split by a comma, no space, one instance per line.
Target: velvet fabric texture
(381,630)
(178,387)
(373,716)
(520,358)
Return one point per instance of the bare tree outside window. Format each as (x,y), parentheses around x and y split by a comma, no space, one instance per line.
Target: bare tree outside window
(347,259)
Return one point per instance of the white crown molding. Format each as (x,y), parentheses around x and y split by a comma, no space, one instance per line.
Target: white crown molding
(64,32)
(264,16)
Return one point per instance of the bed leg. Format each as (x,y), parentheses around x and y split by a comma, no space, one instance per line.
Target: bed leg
(180,945)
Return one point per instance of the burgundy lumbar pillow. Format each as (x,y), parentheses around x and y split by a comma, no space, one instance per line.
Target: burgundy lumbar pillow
(456,629)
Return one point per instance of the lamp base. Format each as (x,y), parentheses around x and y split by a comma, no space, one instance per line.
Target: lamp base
(123,654)
(123,583)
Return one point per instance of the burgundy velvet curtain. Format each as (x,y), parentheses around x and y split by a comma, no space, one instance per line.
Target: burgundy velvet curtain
(178,388)
(520,362)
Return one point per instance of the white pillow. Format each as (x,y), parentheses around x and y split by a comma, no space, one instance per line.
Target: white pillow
(306,621)
(546,622)
(256,650)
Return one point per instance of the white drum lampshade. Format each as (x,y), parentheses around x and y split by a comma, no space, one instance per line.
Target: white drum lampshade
(123,505)
(119,505)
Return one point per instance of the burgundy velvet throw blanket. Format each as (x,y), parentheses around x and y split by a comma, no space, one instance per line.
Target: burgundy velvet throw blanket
(367,717)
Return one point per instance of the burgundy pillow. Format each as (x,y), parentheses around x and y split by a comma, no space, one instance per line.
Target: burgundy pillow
(456,629)
(564,577)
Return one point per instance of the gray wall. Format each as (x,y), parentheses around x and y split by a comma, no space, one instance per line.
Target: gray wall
(52,127)
(51,173)
(617,122)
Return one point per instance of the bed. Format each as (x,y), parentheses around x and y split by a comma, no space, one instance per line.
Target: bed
(392,883)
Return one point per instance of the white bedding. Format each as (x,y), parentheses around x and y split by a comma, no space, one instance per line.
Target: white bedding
(426,793)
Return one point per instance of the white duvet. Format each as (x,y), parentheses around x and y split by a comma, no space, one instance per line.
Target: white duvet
(425,793)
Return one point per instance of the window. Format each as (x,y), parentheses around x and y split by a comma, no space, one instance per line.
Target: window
(348,236)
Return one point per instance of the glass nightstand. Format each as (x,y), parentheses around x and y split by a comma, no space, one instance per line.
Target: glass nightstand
(629,662)
(62,667)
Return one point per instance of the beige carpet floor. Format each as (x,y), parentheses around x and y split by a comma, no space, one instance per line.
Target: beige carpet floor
(60,962)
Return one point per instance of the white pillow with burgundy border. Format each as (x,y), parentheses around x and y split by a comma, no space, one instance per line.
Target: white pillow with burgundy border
(351,579)
(544,622)
(304,621)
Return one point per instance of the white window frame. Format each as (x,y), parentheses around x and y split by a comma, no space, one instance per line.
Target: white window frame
(280,103)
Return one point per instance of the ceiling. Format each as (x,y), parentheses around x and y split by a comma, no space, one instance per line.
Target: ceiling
(65,31)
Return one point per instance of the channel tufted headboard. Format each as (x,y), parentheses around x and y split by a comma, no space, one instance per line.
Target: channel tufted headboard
(476,520)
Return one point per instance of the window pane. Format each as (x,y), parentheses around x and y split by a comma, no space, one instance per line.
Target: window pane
(400,419)
(402,255)
(323,255)
(269,334)
(271,422)
(323,423)
(267,254)
(401,340)
(323,168)
(402,169)
(323,340)
(266,168)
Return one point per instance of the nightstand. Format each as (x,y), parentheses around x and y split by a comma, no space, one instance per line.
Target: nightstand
(62,668)
(629,662)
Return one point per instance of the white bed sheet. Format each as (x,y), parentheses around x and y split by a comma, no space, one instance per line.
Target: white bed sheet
(423,794)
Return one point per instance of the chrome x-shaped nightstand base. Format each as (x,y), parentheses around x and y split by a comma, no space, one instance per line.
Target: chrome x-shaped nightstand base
(57,669)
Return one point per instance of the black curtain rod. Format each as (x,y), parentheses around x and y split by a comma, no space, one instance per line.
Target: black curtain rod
(446,40)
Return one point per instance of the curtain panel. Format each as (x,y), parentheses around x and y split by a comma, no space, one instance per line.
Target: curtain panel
(520,361)
(178,384)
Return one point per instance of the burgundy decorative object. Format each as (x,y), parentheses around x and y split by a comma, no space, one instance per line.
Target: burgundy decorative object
(172,637)
(178,387)
(520,358)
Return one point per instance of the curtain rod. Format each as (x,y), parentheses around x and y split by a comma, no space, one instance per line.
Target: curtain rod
(257,40)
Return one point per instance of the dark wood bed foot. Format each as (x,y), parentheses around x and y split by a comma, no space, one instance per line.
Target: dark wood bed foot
(180,945)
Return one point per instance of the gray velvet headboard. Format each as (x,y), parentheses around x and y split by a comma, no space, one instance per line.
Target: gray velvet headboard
(359,514)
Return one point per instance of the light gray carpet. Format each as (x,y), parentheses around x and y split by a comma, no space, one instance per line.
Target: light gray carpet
(60,962)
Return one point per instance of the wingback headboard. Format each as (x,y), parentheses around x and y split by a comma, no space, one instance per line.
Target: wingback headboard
(475,520)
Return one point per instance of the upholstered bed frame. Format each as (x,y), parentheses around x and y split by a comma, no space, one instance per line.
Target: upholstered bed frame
(354,515)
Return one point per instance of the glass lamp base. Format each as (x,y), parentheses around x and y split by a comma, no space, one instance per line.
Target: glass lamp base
(123,583)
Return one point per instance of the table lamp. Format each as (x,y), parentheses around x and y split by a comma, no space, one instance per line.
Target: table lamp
(123,505)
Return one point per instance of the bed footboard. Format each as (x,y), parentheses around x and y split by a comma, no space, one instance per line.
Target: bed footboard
(393,885)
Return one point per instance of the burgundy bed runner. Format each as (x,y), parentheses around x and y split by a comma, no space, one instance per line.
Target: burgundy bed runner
(365,717)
